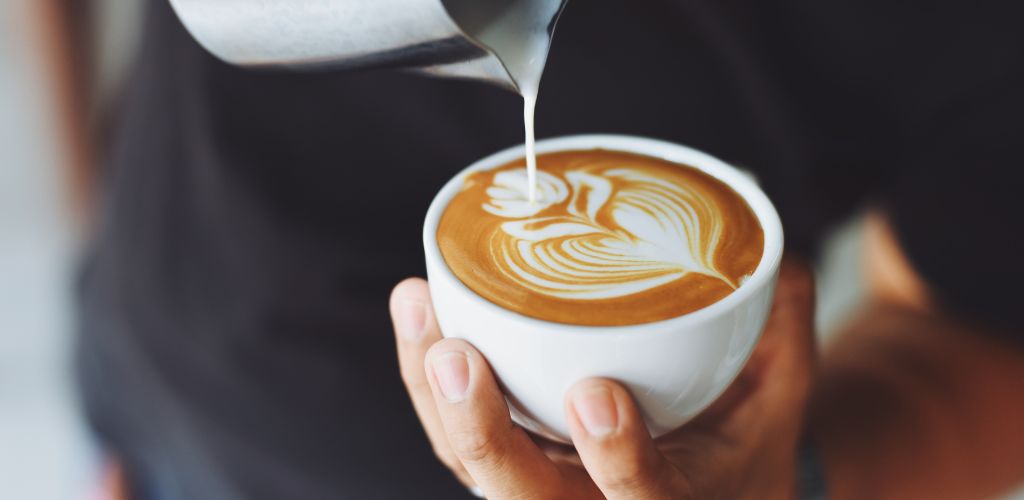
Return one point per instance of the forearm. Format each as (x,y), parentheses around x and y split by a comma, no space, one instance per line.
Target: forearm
(912,405)
(64,43)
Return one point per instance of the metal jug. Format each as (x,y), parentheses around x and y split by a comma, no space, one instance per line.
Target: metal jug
(439,37)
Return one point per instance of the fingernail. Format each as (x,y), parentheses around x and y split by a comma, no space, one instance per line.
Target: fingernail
(411,319)
(596,410)
(451,370)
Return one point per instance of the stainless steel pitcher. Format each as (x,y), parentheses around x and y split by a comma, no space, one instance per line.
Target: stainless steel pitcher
(435,36)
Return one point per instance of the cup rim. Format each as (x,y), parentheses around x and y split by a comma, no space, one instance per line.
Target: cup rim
(742,183)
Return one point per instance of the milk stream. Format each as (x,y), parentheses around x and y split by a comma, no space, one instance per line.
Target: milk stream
(529,105)
(517,32)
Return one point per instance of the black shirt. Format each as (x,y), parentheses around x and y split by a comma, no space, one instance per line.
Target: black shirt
(236,342)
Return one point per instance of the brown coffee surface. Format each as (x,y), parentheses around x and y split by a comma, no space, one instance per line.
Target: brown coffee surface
(613,238)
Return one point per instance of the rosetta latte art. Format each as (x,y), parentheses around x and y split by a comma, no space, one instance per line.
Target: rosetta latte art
(611,238)
(621,232)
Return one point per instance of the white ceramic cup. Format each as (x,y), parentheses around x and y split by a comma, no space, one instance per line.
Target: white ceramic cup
(674,368)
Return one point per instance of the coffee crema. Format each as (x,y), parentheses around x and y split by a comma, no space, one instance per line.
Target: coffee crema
(613,238)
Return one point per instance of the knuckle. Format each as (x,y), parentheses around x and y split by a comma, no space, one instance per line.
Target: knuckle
(625,484)
(627,479)
(636,477)
(476,445)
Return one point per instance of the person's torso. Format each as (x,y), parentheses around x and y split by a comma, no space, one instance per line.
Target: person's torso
(255,220)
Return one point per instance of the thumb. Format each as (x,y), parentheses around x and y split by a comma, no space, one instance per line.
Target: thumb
(615,446)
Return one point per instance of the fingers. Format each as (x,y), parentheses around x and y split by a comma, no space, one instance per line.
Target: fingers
(789,333)
(415,331)
(776,380)
(615,446)
(794,295)
(498,454)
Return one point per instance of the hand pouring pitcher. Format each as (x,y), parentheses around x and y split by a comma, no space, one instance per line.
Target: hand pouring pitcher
(504,42)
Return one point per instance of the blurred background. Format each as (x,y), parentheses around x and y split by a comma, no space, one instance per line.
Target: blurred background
(45,449)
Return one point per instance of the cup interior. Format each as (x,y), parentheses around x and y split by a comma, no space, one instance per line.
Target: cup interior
(742,183)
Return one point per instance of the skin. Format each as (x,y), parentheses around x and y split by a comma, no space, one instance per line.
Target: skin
(907,402)
(910,402)
(751,432)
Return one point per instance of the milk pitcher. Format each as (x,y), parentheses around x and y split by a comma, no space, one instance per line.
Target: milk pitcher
(496,41)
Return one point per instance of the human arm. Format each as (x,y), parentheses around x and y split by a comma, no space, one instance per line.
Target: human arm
(911,403)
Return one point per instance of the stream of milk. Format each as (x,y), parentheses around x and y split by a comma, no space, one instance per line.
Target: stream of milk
(519,32)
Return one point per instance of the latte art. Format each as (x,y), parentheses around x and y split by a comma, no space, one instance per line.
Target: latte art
(606,231)
(623,232)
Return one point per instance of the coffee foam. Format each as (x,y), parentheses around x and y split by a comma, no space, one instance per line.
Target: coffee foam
(612,238)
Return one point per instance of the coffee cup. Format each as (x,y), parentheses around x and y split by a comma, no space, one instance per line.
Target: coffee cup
(674,368)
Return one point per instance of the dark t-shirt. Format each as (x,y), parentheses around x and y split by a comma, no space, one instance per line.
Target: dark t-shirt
(236,342)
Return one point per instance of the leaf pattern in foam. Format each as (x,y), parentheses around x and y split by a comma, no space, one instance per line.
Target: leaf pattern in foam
(656,236)
(510,194)
(590,190)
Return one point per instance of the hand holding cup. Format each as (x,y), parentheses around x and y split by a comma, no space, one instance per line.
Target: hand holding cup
(743,446)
